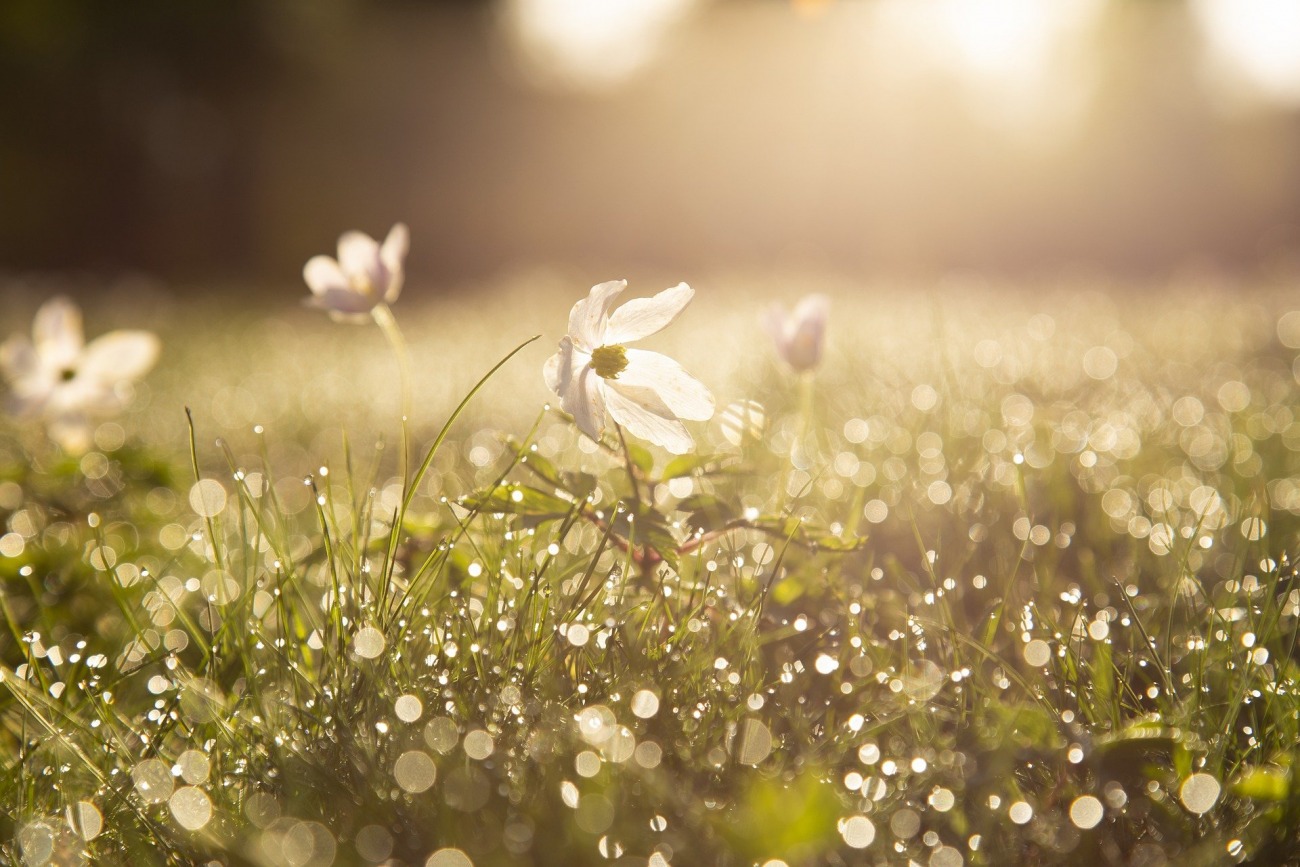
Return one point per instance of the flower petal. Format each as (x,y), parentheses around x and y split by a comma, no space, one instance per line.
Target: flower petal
(30,382)
(393,255)
(569,374)
(342,304)
(119,356)
(323,274)
(642,317)
(58,334)
(360,259)
(18,359)
(684,395)
(588,317)
(72,432)
(644,414)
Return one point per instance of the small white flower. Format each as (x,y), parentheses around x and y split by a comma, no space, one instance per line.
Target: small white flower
(800,334)
(645,392)
(65,382)
(364,276)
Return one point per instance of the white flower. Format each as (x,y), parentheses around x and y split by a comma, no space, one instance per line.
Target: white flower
(800,334)
(364,275)
(645,392)
(59,378)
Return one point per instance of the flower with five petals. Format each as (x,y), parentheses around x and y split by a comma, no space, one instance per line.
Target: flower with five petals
(365,275)
(647,393)
(66,382)
(800,334)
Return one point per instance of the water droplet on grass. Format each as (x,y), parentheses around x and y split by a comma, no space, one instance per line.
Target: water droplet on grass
(1199,793)
(191,807)
(368,642)
(408,708)
(858,831)
(754,743)
(374,843)
(85,819)
(645,704)
(1086,812)
(415,771)
(153,780)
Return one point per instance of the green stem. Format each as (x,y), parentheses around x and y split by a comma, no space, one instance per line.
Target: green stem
(800,454)
(388,324)
(644,560)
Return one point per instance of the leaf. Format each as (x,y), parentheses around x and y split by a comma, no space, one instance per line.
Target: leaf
(684,465)
(648,528)
(706,512)
(577,485)
(794,820)
(1263,784)
(641,457)
(808,535)
(523,500)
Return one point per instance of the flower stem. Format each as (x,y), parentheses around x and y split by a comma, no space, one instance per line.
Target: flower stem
(800,454)
(387,323)
(628,465)
(647,568)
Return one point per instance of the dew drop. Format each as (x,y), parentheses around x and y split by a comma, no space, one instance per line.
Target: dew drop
(1199,793)
(368,642)
(415,771)
(408,709)
(191,807)
(857,831)
(645,704)
(1086,812)
(448,858)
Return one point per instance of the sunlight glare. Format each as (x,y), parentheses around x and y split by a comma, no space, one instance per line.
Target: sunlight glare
(1023,63)
(1255,41)
(589,43)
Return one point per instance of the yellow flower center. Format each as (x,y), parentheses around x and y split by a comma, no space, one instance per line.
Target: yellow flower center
(609,361)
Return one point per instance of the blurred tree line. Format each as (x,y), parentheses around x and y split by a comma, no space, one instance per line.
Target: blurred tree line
(116,112)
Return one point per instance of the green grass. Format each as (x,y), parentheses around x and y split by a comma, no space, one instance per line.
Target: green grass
(1012,585)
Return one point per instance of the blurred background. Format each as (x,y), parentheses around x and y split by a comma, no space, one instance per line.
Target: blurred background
(228,140)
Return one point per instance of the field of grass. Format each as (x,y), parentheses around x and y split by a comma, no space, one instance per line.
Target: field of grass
(1006,580)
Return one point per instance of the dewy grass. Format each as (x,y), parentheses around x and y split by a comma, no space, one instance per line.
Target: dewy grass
(1026,601)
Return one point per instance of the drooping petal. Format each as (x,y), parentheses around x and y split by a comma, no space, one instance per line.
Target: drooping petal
(586,403)
(324,275)
(58,334)
(365,269)
(645,415)
(642,317)
(684,395)
(557,371)
(569,374)
(119,356)
(393,255)
(588,317)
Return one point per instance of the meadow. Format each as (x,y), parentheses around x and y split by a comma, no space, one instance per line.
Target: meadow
(1005,576)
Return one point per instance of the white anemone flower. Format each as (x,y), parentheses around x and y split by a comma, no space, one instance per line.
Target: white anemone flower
(800,334)
(66,382)
(645,392)
(365,275)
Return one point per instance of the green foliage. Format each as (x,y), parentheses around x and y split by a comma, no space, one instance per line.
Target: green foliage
(1037,618)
